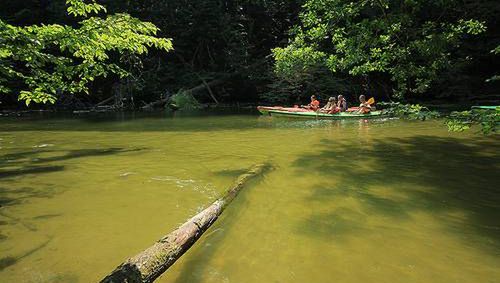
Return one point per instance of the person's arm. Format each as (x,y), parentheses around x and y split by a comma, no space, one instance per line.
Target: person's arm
(366,105)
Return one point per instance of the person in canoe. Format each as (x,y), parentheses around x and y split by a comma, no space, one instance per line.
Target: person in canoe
(330,107)
(314,105)
(365,107)
(342,104)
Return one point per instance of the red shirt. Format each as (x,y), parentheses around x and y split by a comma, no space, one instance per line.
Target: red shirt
(314,104)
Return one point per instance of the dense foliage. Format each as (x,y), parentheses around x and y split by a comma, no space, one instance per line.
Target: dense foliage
(54,58)
(392,50)
(227,40)
(488,120)
(405,42)
(409,111)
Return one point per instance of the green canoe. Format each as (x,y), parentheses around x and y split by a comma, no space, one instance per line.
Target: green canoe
(486,107)
(315,115)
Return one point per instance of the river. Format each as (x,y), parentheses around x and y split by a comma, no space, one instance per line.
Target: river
(347,201)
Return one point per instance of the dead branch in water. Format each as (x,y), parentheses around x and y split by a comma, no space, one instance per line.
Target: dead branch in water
(152,262)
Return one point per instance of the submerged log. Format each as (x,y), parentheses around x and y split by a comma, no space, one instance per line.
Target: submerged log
(152,262)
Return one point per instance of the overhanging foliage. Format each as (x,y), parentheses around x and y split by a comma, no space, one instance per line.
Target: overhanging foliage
(52,59)
(409,41)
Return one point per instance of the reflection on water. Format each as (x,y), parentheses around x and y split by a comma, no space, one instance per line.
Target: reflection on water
(348,201)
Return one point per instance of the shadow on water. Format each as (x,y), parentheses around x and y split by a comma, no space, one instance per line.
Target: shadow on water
(14,196)
(28,163)
(27,170)
(423,174)
(46,216)
(11,260)
(20,157)
(200,121)
(334,225)
(185,121)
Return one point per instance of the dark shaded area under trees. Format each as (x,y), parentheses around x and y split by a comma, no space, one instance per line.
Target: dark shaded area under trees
(232,41)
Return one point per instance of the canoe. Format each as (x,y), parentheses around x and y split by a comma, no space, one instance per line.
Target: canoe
(486,107)
(315,115)
(265,109)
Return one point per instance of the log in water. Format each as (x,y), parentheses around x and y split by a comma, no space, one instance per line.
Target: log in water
(152,262)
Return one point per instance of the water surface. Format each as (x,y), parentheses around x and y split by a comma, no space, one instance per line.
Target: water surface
(347,201)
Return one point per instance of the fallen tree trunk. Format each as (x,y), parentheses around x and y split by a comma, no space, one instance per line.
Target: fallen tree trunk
(206,85)
(152,262)
(156,103)
(209,90)
(109,99)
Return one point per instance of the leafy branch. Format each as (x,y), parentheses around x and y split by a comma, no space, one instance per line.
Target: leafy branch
(408,111)
(488,120)
(52,59)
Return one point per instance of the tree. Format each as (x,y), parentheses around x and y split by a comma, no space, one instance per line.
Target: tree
(213,39)
(41,61)
(404,43)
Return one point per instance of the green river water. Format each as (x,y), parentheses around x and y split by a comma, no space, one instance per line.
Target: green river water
(347,201)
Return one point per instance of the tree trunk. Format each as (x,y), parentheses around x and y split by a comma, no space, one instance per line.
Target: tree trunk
(152,262)
(206,85)
(154,104)
(109,99)
(209,90)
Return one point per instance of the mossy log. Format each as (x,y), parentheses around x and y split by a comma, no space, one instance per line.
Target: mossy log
(152,262)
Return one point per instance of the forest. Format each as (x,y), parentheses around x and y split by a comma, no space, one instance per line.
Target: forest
(201,141)
(76,54)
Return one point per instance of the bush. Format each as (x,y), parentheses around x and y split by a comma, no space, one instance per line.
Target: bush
(408,111)
(183,101)
(489,120)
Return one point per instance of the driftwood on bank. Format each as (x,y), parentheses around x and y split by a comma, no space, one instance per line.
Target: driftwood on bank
(152,262)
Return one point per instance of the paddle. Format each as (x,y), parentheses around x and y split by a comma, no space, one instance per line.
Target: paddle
(366,110)
(370,102)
